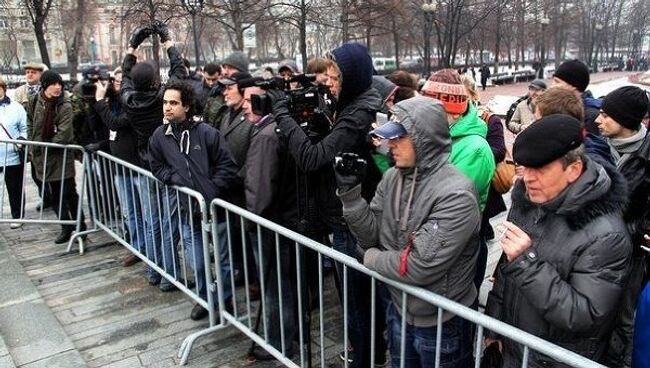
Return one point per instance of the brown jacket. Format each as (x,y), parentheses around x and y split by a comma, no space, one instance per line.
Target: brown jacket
(59,164)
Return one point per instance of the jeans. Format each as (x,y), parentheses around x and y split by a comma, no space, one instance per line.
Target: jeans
(130,204)
(358,298)
(420,349)
(159,207)
(193,247)
(287,292)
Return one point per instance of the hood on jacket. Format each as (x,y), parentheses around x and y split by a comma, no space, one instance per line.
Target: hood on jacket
(385,87)
(468,124)
(600,190)
(356,71)
(425,120)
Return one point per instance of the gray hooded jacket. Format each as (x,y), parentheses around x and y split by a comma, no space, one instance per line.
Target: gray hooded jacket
(434,205)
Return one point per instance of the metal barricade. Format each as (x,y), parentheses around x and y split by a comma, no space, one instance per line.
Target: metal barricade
(46,171)
(311,335)
(150,221)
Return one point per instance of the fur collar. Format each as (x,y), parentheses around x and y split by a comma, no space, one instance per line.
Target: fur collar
(613,201)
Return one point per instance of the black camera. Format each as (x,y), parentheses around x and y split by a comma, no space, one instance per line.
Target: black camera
(310,105)
(92,75)
(350,164)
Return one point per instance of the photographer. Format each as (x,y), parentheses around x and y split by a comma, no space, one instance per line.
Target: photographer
(421,228)
(142,99)
(271,193)
(349,80)
(122,145)
(88,126)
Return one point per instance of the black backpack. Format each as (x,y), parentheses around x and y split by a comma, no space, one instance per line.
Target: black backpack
(513,107)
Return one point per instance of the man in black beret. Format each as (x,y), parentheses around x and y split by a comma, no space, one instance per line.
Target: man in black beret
(565,245)
(620,121)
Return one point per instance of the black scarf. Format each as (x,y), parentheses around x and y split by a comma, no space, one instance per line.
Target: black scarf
(5,101)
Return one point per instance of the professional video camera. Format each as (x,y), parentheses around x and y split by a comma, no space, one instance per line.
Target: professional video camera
(91,75)
(310,105)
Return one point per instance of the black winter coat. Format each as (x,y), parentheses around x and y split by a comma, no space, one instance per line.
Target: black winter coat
(122,141)
(270,179)
(636,170)
(192,155)
(144,108)
(349,134)
(566,288)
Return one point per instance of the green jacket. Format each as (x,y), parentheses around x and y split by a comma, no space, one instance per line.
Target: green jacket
(471,153)
(56,167)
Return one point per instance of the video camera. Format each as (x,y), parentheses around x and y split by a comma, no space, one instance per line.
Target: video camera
(310,105)
(92,75)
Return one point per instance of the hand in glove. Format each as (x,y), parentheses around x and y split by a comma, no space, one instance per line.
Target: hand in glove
(162,30)
(349,170)
(93,147)
(139,35)
(279,101)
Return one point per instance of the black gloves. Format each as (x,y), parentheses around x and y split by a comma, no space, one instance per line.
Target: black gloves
(161,29)
(139,35)
(93,147)
(349,170)
(279,101)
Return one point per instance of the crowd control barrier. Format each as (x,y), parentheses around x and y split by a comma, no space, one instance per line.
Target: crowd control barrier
(55,185)
(190,245)
(311,334)
(167,227)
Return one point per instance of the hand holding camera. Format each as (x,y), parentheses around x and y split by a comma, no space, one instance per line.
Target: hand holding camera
(162,30)
(349,170)
(139,35)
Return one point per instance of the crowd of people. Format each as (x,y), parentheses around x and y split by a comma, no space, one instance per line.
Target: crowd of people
(411,198)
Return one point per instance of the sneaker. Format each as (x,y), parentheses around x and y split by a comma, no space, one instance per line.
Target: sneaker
(154,279)
(16,225)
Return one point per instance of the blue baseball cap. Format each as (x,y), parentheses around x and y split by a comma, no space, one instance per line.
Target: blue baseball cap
(390,130)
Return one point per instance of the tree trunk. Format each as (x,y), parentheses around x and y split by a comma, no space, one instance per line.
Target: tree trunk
(303,34)
(40,40)
(497,39)
(73,50)
(395,42)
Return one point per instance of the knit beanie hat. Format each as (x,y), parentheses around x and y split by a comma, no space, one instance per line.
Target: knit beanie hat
(356,71)
(575,73)
(627,106)
(546,140)
(237,60)
(49,78)
(143,75)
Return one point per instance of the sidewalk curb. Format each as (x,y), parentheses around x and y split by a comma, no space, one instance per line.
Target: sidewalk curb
(31,335)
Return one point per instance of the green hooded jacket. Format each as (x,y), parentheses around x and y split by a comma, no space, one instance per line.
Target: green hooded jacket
(471,153)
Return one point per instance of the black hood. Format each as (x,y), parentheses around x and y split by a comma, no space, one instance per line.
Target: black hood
(356,71)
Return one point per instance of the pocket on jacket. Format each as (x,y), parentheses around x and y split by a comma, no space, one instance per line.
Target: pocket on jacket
(428,241)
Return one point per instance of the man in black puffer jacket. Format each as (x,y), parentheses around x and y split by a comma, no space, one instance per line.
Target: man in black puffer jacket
(349,80)
(566,247)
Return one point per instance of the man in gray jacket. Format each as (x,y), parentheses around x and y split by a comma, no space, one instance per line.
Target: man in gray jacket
(421,228)
(566,247)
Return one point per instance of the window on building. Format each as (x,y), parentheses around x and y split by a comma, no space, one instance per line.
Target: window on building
(29,50)
(4,23)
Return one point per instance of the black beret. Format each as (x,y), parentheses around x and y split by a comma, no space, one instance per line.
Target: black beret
(627,106)
(546,140)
